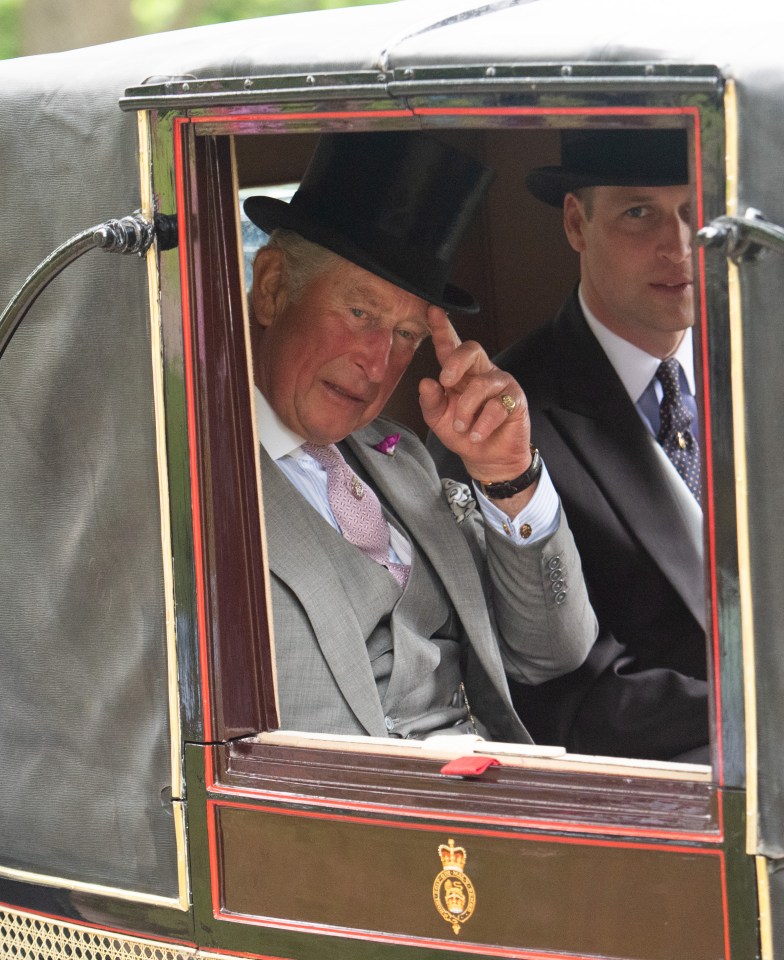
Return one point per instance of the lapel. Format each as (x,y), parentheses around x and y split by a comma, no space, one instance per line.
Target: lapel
(594,414)
(415,495)
(305,566)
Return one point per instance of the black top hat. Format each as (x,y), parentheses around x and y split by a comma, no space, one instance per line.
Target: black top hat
(396,204)
(613,158)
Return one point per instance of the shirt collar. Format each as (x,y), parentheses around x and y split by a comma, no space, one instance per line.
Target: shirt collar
(274,435)
(635,367)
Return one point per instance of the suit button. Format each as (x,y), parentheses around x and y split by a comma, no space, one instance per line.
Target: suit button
(554,562)
(560,597)
(558,586)
(389,723)
(556,574)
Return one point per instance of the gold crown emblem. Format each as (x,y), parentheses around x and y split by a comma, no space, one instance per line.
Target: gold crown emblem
(452,857)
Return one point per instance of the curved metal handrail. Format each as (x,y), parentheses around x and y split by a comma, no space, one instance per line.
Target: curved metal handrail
(131,234)
(744,238)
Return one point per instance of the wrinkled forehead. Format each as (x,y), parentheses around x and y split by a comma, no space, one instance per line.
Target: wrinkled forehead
(380,298)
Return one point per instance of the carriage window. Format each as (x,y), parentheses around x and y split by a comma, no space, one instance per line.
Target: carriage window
(587,280)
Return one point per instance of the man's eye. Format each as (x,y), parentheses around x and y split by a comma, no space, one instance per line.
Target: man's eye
(636,213)
(410,335)
(356,312)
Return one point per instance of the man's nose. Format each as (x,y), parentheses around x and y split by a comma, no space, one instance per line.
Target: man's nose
(373,350)
(676,240)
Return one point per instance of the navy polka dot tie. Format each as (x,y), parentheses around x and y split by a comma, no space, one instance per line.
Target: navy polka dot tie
(675,435)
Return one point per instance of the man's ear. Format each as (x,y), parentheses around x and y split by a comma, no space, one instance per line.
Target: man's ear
(573,221)
(268,294)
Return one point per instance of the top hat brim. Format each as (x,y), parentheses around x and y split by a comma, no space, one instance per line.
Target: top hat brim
(269,213)
(551,184)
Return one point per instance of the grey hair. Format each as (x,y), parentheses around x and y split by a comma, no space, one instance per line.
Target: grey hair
(305,260)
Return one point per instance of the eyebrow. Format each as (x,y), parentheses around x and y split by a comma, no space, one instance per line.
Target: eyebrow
(637,198)
(367,294)
(362,290)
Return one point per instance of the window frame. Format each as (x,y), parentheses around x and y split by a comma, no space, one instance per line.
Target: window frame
(221,604)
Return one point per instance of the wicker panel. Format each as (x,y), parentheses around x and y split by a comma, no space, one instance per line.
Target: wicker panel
(27,937)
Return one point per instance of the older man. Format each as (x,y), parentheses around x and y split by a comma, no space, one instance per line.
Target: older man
(379,588)
(611,387)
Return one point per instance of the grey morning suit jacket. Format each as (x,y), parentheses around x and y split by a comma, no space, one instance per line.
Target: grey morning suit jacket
(504,611)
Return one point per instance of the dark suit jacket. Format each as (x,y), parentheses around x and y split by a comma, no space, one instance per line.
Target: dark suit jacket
(642,692)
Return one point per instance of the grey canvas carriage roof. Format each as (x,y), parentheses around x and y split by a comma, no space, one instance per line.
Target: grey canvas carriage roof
(741,40)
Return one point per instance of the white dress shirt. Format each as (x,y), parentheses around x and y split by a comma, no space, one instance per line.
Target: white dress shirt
(636,370)
(540,516)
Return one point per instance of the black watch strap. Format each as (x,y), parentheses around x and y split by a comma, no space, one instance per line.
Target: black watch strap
(503,489)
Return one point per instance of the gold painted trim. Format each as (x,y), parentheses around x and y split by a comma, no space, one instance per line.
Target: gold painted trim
(763,894)
(116,893)
(744,550)
(30,936)
(741,479)
(252,381)
(156,349)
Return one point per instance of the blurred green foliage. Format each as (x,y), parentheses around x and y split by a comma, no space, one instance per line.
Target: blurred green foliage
(10,43)
(154,16)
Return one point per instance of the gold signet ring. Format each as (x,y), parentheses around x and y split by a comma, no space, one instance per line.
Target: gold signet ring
(509,403)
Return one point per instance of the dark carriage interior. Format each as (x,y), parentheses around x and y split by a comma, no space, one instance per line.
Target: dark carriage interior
(516,260)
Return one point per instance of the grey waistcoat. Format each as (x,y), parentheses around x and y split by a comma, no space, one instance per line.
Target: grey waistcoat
(412,639)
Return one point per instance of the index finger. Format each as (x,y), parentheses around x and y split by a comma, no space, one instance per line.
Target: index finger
(445,338)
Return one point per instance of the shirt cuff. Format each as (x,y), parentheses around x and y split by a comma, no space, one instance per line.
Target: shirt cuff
(538,519)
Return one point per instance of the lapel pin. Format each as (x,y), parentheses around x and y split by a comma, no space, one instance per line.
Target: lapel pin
(388,445)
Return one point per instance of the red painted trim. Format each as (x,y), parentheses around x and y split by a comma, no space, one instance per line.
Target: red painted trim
(725,907)
(710,518)
(212,845)
(694,113)
(328,115)
(713,837)
(553,111)
(120,931)
(213,805)
(190,401)
(478,948)
(234,953)
(690,112)
(209,767)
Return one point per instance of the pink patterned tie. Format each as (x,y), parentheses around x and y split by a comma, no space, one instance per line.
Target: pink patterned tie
(356,509)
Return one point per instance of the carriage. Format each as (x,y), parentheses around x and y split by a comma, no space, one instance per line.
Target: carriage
(151,804)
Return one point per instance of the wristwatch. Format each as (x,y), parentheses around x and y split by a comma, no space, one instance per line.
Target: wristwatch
(503,489)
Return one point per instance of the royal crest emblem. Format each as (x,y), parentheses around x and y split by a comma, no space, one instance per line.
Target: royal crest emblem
(453,893)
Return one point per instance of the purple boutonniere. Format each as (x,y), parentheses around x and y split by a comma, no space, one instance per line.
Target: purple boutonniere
(388,445)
